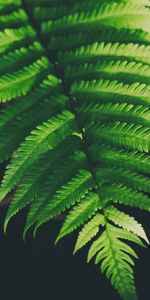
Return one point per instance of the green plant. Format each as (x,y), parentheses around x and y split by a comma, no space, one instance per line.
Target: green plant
(82,71)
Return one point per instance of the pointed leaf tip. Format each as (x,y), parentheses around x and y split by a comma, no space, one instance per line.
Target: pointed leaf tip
(5,226)
(25,233)
(57,240)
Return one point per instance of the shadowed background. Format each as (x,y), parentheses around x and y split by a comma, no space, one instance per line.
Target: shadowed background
(37,269)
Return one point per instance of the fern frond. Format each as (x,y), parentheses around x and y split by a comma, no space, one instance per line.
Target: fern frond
(9,37)
(89,231)
(20,57)
(96,51)
(111,90)
(77,131)
(64,198)
(125,221)
(49,84)
(119,193)
(19,117)
(42,110)
(14,19)
(46,137)
(97,245)
(119,111)
(123,134)
(80,214)
(21,82)
(133,160)
(33,180)
(122,70)
(119,15)
(115,258)
(72,41)
(54,11)
(131,179)
(55,180)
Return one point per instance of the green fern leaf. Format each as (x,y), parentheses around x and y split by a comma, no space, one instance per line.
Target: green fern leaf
(123,135)
(80,214)
(67,196)
(30,186)
(111,91)
(72,41)
(125,221)
(45,87)
(133,160)
(115,257)
(97,245)
(57,178)
(21,82)
(89,231)
(117,111)
(46,137)
(118,15)
(113,69)
(19,57)
(10,36)
(122,194)
(14,19)
(131,179)
(75,127)
(137,52)
(19,116)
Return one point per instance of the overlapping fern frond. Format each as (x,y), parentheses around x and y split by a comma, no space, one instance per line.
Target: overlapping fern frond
(75,122)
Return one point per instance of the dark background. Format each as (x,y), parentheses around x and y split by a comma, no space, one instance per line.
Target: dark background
(37,269)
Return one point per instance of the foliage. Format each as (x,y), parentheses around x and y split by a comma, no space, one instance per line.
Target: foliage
(75,120)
